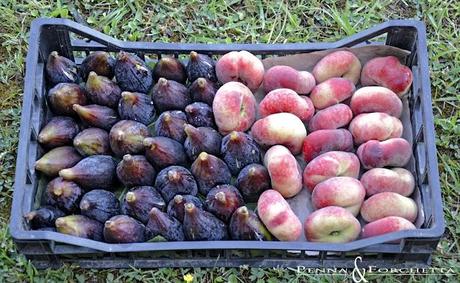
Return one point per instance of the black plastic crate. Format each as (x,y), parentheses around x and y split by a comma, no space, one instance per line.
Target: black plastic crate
(51,249)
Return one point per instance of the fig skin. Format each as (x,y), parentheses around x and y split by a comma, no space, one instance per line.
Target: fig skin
(171,124)
(99,205)
(44,217)
(102,90)
(246,225)
(60,69)
(176,206)
(63,194)
(63,96)
(132,73)
(161,224)
(57,159)
(252,181)
(92,141)
(200,225)
(238,150)
(162,152)
(201,139)
(200,66)
(200,114)
(80,226)
(223,200)
(169,95)
(123,229)
(59,131)
(171,69)
(210,171)
(175,180)
(99,62)
(139,201)
(135,170)
(127,137)
(203,90)
(136,106)
(92,172)
(96,115)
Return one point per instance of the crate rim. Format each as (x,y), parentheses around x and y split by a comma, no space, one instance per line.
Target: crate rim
(20,234)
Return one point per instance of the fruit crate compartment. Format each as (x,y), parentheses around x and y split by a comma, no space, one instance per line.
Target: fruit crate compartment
(50,249)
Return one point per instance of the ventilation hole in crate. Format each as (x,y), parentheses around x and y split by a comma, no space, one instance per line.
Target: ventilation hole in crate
(140,55)
(151,58)
(29,176)
(421,160)
(183,57)
(79,56)
(293,254)
(256,253)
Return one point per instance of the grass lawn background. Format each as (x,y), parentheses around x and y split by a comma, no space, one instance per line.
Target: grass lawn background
(232,22)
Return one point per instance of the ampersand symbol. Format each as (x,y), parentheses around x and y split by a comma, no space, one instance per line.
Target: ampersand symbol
(357,271)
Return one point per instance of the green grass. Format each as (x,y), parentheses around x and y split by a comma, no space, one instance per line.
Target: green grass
(232,21)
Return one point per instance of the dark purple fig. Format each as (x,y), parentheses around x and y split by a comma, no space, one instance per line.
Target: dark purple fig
(102,90)
(200,114)
(238,150)
(223,200)
(169,95)
(135,170)
(200,66)
(163,152)
(132,73)
(92,172)
(175,180)
(201,139)
(161,224)
(63,194)
(99,205)
(80,226)
(203,90)
(97,116)
(92,141)
(43,217)
(136,106)
(210,171)
(139,201)
(200,225)
(99,62)
(59,131)
(124,229)
(57,159)
(170,68)
(171,124)
(252,181)
(63,96)
(176,206)
(127,137)
(246,225)
(60,69)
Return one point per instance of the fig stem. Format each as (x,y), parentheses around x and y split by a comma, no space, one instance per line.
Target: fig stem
(84,205)
(243,210)
(178,199)
(201,82)
(189,206)
(234,136)
(220,196)
(31,215)
(203,156)
(193,55)
(130,197)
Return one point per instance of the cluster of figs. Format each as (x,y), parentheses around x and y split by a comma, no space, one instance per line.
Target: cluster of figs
(118,122)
